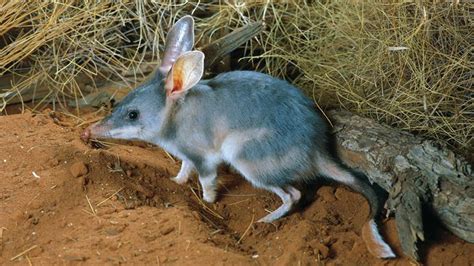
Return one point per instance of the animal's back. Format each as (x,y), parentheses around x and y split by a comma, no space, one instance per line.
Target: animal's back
(250,99)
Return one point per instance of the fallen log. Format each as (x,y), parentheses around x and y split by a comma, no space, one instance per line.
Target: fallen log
(418,173)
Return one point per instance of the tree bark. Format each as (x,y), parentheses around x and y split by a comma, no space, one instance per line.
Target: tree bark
(417,173)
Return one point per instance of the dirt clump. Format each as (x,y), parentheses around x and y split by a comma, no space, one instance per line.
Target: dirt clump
(79,169)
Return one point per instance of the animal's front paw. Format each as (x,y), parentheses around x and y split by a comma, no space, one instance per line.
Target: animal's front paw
(180,180)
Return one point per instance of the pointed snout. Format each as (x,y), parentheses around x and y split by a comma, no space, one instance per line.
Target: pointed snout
(95,131)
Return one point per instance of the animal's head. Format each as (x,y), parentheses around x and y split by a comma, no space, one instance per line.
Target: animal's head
(142,112)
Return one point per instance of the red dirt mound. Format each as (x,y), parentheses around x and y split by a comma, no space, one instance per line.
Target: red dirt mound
(62,201)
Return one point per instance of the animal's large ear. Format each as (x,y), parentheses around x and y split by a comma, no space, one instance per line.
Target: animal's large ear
(185,73)
(180,39)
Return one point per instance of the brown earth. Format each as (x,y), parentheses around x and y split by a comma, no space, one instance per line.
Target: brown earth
(65,202)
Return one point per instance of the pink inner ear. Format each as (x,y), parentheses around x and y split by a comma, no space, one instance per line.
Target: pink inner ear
(174,81)
(177,80)
(185,73)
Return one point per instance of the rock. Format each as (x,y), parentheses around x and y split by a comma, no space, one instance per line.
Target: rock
(167,230)
(77,258)
(54,162)
(78,169)
(319,248)
(327,194)
(114,230)
(322,250)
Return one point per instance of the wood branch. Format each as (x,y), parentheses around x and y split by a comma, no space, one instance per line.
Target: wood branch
(218,48)
(417,173)
(26,95)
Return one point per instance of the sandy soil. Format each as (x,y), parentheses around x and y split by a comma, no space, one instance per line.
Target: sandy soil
(65,202)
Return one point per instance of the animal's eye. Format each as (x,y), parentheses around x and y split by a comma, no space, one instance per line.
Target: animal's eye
(132,115)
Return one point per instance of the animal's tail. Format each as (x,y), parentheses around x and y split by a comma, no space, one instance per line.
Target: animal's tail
(370,233)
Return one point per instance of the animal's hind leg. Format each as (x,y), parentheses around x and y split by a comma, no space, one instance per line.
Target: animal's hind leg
(206,166)
(207,170)
(294,193)
(209,187)
(289,198)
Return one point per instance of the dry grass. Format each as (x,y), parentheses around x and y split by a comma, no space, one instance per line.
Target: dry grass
(406,64)
(66,44)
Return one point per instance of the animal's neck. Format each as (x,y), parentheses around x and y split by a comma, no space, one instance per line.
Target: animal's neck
(168,120)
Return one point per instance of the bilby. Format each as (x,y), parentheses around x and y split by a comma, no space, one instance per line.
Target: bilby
(262,126)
